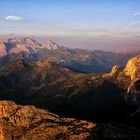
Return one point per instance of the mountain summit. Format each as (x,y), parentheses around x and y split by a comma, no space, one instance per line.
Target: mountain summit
(50,45)
(23,44)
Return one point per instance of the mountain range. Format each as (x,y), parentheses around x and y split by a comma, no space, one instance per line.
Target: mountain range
(66,92)
(100,98)
(37,79)
(77,59)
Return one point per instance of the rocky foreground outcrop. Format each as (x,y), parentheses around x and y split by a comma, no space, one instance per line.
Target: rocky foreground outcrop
(29,123)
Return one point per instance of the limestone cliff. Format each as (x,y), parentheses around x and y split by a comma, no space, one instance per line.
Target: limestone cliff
(132,68)
(125,76)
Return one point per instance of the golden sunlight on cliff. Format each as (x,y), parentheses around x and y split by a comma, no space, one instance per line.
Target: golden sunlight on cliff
(132,69)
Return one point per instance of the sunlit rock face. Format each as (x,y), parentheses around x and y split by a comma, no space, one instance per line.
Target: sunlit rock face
(127,78)
(27,122)
(50,45)
(132,68)
(2,49)
(23,45)
(128,74)
(115,70)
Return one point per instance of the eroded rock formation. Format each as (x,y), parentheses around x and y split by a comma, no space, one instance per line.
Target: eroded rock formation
(27,122)
(132,68)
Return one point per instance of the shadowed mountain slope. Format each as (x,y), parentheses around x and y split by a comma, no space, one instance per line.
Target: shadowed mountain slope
(66,92)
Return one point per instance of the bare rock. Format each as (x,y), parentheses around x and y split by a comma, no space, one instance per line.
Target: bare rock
(115,70)
(132,68)
(27,122)
(3,51)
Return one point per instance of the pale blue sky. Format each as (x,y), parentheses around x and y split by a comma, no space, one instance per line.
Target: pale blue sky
(71,18)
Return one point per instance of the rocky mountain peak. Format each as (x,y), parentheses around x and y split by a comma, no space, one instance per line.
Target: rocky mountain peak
(42,63)
(115,70)
(15,66)
(25,40)
(2,49)
(27,44)
(132,68)
(50,45)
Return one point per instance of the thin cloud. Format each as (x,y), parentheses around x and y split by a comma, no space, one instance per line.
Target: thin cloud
(132,24)
(13,18)
(1,18)
(136,13)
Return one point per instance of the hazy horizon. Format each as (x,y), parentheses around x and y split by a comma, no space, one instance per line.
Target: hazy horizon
(86,24)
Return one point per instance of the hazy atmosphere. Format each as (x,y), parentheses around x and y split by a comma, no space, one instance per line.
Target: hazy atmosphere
(90,24)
